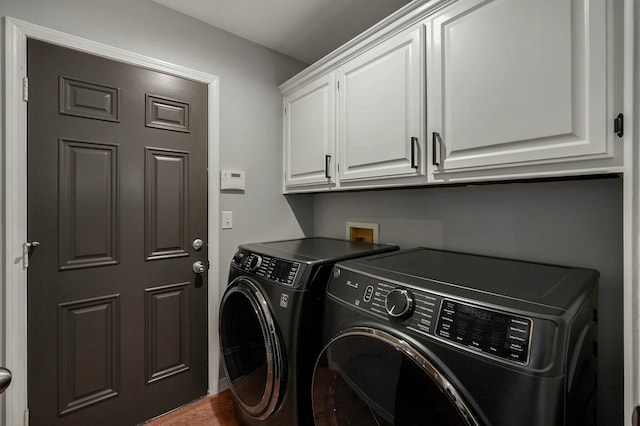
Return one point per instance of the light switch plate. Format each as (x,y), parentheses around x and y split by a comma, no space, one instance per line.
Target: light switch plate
(227,220)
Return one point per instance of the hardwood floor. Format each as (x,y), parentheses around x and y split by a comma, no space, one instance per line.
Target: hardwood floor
(216,410)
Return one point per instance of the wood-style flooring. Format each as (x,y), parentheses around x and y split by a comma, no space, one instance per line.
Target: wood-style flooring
(216,410)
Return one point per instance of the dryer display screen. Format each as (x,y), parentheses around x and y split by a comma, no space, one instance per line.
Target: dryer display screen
(491,332)
(282,271)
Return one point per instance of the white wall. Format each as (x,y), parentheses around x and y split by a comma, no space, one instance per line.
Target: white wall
(576,223)
(250,102)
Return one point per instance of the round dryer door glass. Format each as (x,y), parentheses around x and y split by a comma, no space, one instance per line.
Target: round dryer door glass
(251,349)
(368,377)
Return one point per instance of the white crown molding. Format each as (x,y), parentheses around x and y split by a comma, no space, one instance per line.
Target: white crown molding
(409,15)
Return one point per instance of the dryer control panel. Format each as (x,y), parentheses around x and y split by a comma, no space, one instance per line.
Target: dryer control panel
(470,326)
(278,270)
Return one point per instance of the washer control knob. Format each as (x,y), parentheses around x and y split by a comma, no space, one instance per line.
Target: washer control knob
(255,262)
(399,303)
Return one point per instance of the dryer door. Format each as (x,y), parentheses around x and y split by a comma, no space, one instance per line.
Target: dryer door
(369,377)
(253,354)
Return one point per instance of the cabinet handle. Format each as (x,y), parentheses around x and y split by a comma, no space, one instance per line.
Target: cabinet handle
(414,149)
(327,161)
(435,151)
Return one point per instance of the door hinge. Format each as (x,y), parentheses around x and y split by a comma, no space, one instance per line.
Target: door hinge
(618,125)
(25,255)
(25,89)
(338,84)
(26,418)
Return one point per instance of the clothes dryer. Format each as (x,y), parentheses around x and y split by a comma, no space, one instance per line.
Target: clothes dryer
(429,337)
(269,324)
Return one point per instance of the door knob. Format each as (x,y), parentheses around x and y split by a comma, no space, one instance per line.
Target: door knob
(5,379)
(199,267)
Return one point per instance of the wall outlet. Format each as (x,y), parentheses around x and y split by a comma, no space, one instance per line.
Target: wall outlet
(363,231)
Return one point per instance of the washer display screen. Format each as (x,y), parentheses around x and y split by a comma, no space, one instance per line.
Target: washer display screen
(491,332)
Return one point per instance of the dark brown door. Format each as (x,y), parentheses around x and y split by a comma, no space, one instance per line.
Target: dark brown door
(117,192)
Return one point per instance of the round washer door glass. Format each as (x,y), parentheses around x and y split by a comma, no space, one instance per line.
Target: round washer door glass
(251,349)
(368,377)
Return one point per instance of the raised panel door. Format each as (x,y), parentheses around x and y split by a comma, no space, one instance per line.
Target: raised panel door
(380,110)
(309,139)
(515,82)
(117,190)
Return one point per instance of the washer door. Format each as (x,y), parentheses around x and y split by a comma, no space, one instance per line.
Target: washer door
(369,377)
(252,351)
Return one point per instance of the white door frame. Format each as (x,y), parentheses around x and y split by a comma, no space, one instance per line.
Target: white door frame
(15,196)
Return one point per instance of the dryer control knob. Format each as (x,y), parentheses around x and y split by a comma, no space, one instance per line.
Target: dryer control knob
(237,258)
(399,303)
(255,262)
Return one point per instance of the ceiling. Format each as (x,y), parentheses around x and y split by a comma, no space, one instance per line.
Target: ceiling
(305,30)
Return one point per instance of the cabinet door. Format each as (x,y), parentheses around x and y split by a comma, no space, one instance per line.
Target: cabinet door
(380,100)
(515,82)
(309,134)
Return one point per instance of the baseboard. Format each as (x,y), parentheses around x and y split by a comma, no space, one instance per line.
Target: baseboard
(223,384)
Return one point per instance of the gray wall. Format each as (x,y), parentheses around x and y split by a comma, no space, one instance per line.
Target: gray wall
(250,102)
(577,223)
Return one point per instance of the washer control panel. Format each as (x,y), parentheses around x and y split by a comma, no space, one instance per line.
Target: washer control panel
(278,270)
(467,325)
(486,330)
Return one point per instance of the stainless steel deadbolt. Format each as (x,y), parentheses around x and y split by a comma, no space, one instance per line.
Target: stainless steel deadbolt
(197,244)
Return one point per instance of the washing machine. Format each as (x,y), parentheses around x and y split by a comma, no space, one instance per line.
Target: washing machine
(269,324)
(431,337)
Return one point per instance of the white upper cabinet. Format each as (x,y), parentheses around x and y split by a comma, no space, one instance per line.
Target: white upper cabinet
(309,134)
(518,83)
(461,91)
(380,111)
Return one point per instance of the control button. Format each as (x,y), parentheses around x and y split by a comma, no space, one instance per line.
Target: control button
(518,356)
(516,337)
(368,293)
(399,303)
(516,347)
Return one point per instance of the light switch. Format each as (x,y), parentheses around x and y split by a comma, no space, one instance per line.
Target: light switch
(227,220)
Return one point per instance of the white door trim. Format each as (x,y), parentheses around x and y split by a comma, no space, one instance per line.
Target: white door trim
(631,226)
(15,203)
